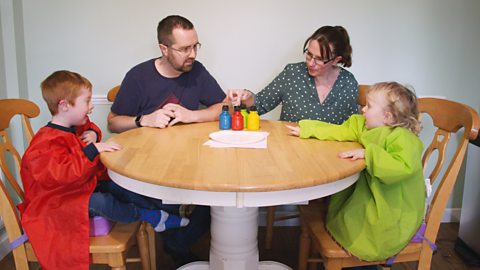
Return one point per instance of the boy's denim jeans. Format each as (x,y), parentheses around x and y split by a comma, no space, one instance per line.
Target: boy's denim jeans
(119,204)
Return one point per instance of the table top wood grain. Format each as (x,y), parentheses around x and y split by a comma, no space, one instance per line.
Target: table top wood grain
(176,157)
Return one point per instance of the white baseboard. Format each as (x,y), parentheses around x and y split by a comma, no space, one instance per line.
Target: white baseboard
(450,215)
(262,219)
(4,249)
(100,100)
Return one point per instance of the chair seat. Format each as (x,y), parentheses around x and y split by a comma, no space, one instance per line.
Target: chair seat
(118,240)
(314,214)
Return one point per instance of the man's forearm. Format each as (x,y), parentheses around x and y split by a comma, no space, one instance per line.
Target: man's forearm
(120,123)
(209,114)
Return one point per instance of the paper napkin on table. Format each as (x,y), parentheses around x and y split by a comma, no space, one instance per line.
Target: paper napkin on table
(238,139)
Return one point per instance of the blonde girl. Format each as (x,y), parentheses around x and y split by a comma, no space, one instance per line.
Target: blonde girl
(378,215)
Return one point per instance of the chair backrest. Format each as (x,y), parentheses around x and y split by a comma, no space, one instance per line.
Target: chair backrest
(362,94)
(11,107)
(8,109)
(112,93)
(448,118)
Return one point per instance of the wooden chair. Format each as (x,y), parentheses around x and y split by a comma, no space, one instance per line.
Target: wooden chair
(8,109)
(111,95)
(110,249)
(448,118)
(271,217)
(362,94)
(26,109)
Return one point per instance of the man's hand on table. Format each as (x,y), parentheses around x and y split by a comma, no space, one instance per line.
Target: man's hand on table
(180,114)
(159,118)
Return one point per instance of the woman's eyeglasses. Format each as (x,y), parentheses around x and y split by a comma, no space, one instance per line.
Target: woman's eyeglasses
(309,56)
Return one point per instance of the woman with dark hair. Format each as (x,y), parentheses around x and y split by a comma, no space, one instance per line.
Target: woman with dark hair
(318,89)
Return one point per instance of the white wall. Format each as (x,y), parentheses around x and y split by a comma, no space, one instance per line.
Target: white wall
(429,44)
(432,44)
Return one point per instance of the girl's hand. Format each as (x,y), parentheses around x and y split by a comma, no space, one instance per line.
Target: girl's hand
(293,130)
(88,137)
(353,154)
(107,147)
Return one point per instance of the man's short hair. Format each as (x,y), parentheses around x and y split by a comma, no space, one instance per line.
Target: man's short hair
(63,84)
(165,28)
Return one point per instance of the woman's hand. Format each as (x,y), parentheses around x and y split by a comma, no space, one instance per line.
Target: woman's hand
(353,154)
(293,130)
(236,96)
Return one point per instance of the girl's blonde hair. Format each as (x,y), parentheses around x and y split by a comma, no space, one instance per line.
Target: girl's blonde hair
(402,104)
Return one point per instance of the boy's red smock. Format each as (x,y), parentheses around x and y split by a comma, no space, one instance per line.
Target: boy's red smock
(58,179)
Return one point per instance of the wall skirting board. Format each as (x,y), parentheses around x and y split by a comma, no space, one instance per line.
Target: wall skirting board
(100,100)
(451,215)
(4,249)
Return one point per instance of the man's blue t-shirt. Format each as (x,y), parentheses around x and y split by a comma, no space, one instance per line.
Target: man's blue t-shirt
(144,90)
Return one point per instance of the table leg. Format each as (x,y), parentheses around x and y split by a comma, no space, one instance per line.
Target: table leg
(234,238)
(234,242)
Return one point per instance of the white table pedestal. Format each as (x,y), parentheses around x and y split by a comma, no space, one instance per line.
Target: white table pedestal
(234,242)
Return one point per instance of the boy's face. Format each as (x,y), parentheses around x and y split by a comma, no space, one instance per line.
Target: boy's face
(78,113)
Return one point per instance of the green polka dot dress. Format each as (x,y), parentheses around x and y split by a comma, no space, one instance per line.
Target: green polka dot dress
(295,89)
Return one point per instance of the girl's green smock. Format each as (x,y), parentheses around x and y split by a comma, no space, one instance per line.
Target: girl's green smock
(376,217)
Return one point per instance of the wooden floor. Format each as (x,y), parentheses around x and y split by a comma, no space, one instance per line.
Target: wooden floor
(285,250)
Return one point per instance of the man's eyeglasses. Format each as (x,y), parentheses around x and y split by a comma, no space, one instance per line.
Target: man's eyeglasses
(309,56)
(186,50)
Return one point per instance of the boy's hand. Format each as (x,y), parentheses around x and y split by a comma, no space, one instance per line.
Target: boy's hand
(353,154)
(88,137)
(107,147)
(293,130)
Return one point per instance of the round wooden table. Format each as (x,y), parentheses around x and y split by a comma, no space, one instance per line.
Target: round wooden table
(172,164)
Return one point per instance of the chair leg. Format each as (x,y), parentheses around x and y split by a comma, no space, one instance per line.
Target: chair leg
(152,246)
(269,227)
(143,246)
(304,248)
(312,262)
(332,264)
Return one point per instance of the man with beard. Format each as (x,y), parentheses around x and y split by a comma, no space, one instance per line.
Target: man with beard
(160,93)
(167,90)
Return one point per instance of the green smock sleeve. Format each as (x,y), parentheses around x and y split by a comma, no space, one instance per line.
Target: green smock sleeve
(397,159)
(350,130)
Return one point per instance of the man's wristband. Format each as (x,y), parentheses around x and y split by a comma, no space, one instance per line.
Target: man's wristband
(138,119)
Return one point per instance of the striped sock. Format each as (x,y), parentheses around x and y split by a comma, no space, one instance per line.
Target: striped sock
(161,220)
